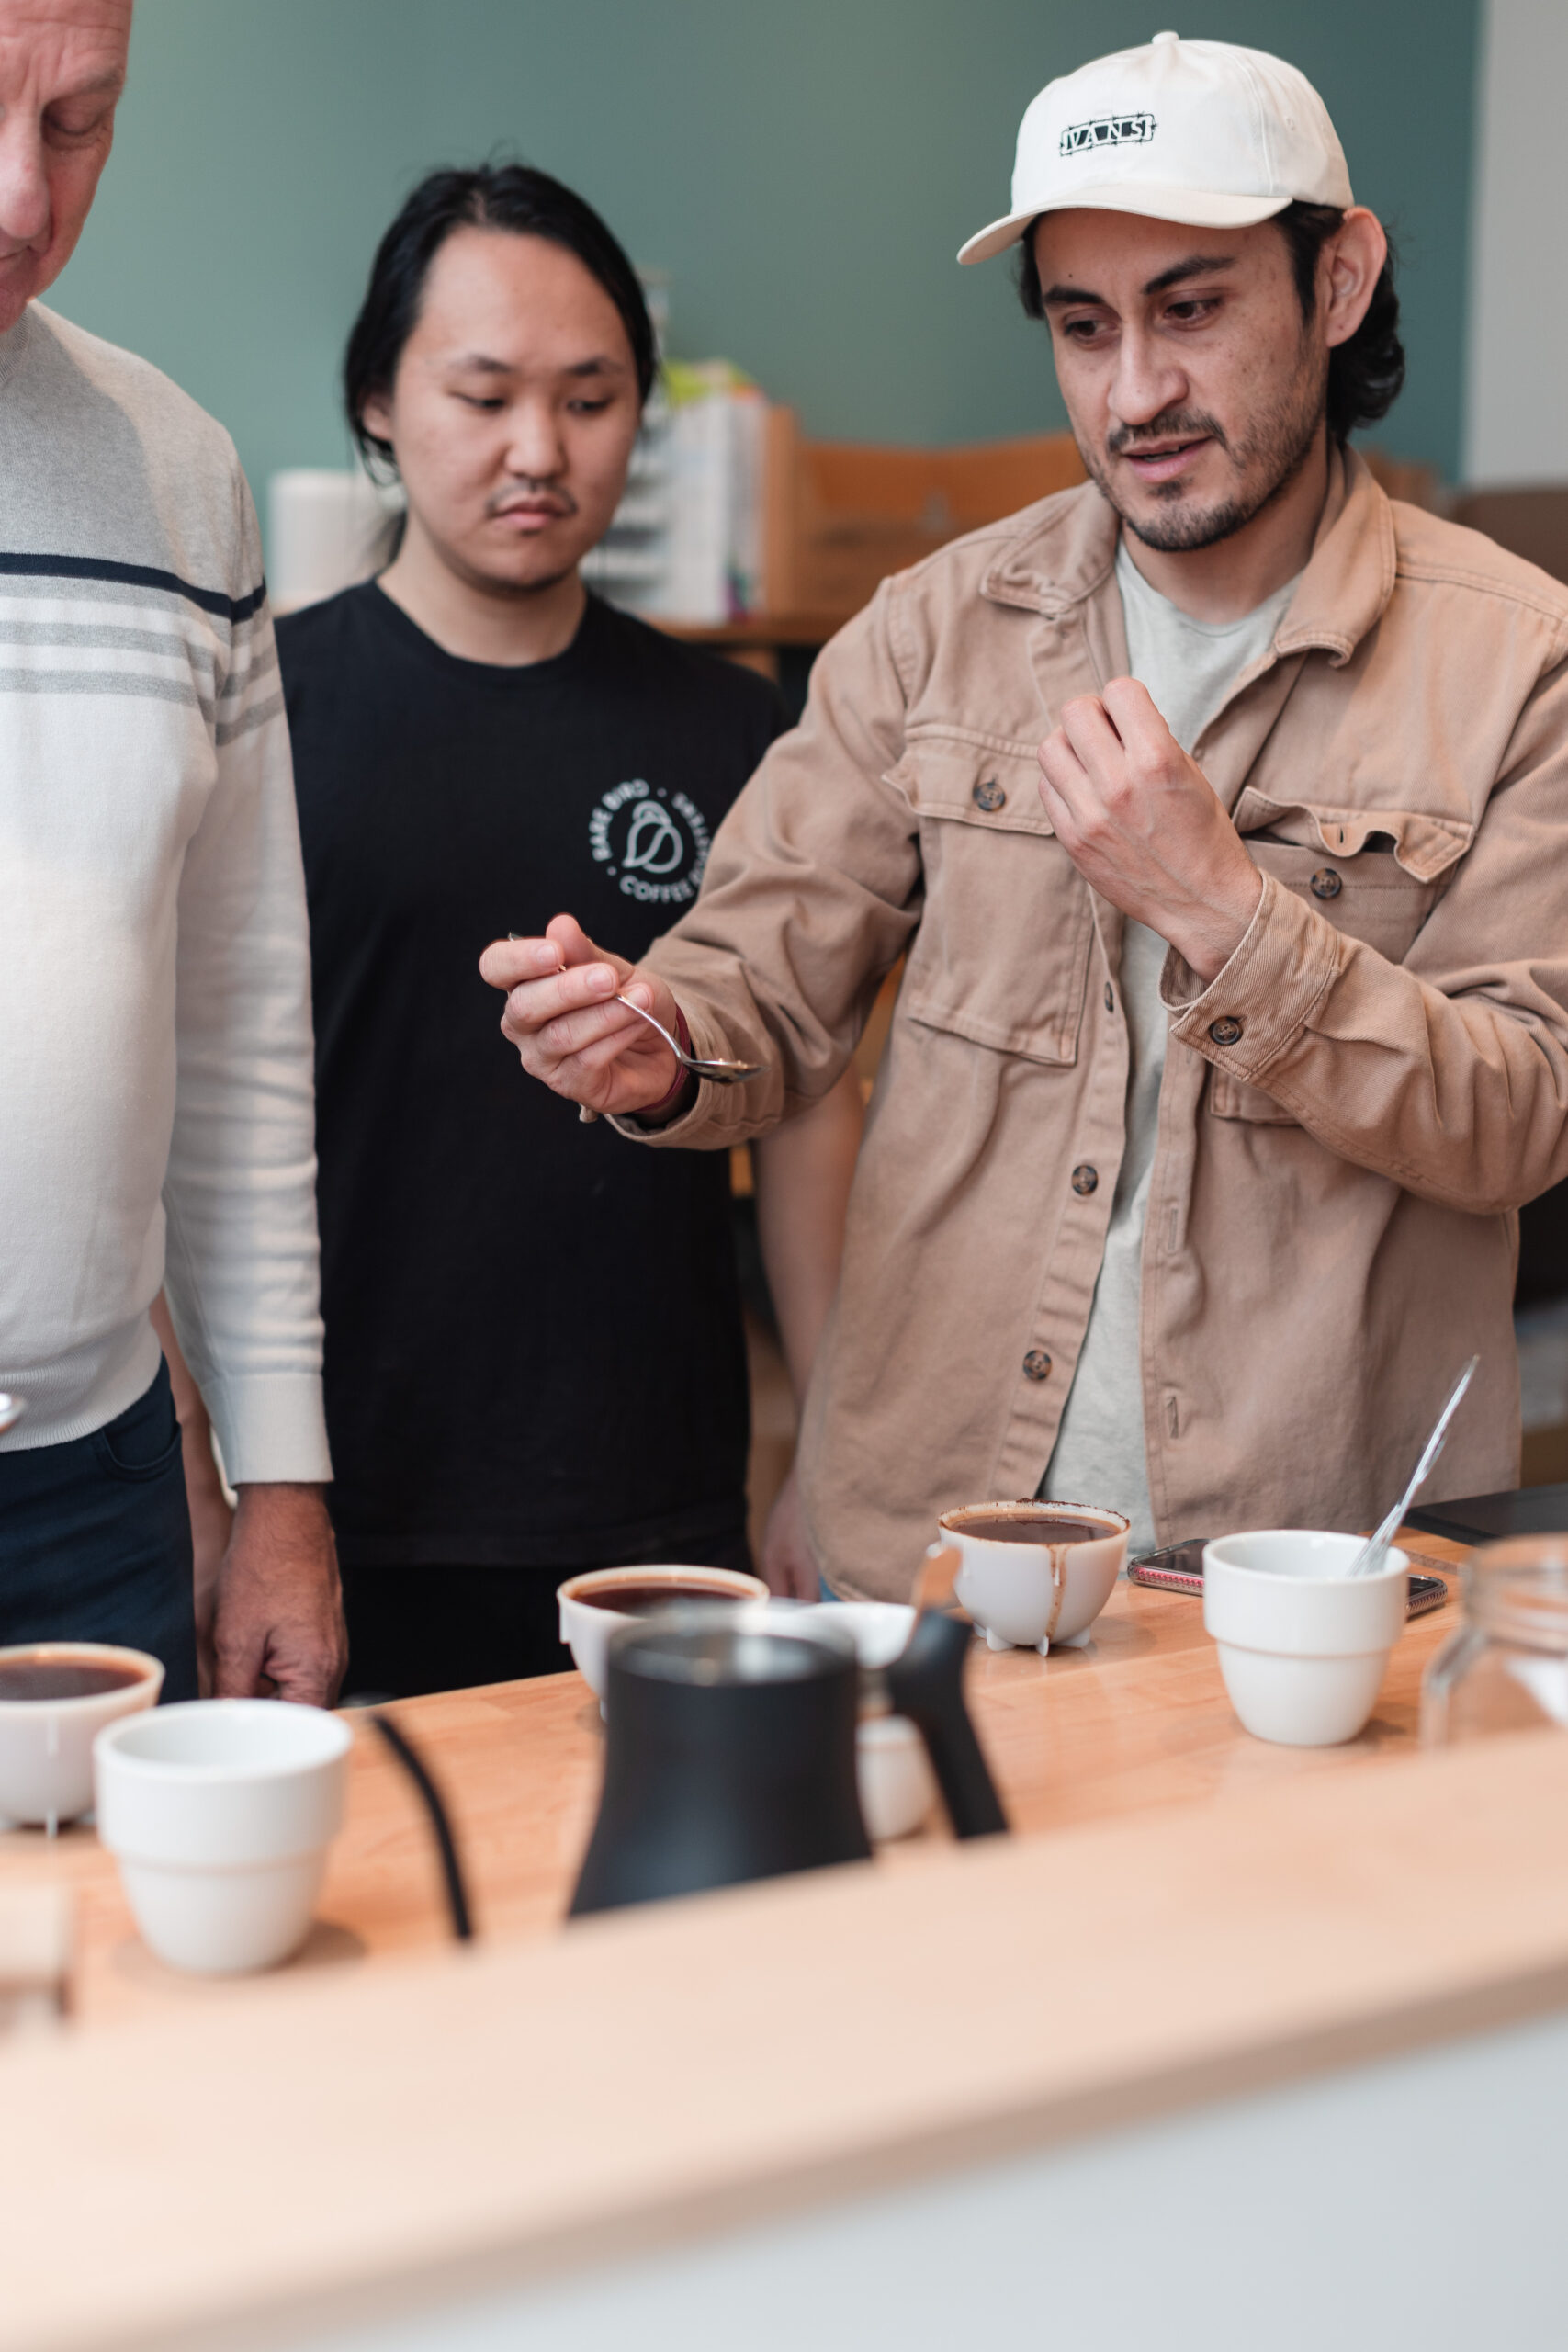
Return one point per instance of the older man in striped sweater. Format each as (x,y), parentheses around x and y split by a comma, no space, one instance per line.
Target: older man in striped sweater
(155,1066)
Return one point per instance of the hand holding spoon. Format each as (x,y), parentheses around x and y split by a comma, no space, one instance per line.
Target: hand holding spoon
(721,1073)
(717,1072)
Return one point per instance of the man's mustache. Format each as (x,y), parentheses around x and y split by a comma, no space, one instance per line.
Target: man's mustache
(521,487)
(1176,424)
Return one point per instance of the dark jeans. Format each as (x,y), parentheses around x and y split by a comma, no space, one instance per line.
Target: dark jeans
(412,1630)
(95,1540)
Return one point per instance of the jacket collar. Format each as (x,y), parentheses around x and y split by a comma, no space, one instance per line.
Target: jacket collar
(1064,552)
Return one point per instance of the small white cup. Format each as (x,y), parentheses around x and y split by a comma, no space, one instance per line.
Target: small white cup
(46,1744)
(892,1776)
(893,1771)
(586,1626)
(219,1814)
(1026,1596)
(880,1630)
(1303,1647)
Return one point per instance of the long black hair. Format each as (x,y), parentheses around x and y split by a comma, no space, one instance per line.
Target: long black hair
(504,196)
(1366,373)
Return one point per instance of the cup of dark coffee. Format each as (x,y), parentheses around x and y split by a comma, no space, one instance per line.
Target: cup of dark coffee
(1035,1573)
(55,1697)
(594,1604)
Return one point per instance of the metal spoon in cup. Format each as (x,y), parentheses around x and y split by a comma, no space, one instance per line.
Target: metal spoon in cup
(1374,1551)
(717,1074)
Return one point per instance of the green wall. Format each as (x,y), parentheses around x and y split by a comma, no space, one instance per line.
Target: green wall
(806,172)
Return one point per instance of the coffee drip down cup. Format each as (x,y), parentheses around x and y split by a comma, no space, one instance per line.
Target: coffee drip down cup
(729,1751)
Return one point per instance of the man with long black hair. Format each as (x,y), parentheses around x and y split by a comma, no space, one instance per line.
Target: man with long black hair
(535,1360)
(1218,807)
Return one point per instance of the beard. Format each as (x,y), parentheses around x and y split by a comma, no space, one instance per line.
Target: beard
(1267,459)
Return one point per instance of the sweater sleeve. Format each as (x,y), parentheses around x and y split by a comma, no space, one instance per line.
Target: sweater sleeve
(242,1272)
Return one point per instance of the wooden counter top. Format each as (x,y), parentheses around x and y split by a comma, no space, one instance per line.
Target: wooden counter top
(338,2144)
(355,2147)
(1137,1721)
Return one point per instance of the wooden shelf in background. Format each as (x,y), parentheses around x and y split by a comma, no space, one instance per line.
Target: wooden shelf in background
(840,515)
(761,630)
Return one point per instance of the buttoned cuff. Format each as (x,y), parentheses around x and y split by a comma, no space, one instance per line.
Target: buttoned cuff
(272,1427)
(1261,1000)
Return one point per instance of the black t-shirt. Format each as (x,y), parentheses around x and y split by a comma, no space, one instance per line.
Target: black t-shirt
(533,1345)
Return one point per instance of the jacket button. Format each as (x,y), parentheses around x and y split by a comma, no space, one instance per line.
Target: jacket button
(991,796)
(1226,1031)
(1326,884)
(1085,1178)
(1037,1365)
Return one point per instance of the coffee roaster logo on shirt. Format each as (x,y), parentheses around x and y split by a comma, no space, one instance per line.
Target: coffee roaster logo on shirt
(654,842)
(1109,130)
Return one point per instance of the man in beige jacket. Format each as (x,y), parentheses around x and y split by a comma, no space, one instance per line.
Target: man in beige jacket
(1221,810)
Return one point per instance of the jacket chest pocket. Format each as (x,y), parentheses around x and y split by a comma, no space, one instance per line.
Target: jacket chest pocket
(1001,955)
(1374,874)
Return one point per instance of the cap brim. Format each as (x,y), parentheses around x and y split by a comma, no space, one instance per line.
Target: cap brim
(1192,208)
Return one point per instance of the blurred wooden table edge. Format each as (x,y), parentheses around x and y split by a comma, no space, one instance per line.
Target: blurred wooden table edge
(1136,1720)
(347,2150)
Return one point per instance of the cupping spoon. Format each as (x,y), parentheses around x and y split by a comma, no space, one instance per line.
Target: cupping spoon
(1373,1551)
(717,1074)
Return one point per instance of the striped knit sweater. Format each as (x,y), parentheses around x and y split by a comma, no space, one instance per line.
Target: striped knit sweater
(155,1081)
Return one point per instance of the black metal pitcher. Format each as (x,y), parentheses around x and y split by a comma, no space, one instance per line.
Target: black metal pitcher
(730,1750)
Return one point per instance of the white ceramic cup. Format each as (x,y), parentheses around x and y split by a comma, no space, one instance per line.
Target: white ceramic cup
(1303,1647)
(880,1630)
(586,1626)
(46,1744)
(219,1814)
(893,1771)
(1026,1596)
(893,1777)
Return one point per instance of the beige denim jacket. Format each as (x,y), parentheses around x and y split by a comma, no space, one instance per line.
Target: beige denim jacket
(1350,1115)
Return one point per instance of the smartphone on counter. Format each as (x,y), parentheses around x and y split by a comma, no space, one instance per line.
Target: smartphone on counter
(1180,1568)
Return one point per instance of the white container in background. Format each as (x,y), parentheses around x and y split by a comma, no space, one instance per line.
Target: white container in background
(1303,1646)
(713,454)
(326,530)
(219,1814)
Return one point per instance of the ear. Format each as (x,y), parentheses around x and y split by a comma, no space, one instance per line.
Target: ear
(1353,259)
(375,416)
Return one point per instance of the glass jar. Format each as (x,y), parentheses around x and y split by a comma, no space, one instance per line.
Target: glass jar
(1507,1668)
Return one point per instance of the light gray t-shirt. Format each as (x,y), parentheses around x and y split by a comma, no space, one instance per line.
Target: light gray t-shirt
(1189,668)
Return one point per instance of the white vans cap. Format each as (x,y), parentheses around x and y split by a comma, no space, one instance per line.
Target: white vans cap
(1189,130)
